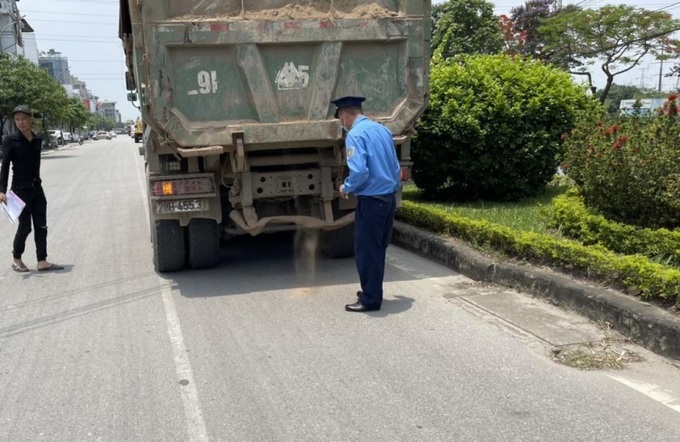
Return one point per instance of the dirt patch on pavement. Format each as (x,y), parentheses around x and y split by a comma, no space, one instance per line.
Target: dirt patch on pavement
(610,353)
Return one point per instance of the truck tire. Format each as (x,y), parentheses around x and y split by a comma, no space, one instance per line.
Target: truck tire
(204,243)
(338,243)
(168,246)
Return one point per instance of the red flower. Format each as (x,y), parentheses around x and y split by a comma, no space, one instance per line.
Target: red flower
(620,142)
(672,97)
(612,129)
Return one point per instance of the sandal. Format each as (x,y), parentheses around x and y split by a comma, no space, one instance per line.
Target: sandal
(20,268)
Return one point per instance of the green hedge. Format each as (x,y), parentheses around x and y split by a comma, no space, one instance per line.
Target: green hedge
(636,272)
(570,215)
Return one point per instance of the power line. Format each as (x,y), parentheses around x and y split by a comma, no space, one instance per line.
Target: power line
(26,11)
(76,22)
(78,36)
(95,61)
(669,6)
(75,40)
(85,1)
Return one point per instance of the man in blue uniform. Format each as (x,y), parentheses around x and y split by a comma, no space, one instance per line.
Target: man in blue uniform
(374,178)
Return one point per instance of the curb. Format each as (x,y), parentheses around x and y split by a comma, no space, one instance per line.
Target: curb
(644,323)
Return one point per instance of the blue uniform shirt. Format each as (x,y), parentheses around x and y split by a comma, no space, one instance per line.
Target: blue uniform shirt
(372,160)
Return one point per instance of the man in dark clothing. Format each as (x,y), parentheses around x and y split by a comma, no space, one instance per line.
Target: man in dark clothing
(22,149)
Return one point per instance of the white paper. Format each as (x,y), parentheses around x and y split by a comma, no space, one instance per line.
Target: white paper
(13,207)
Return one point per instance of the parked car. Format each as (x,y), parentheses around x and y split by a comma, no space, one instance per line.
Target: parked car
(50,142)
(58,136)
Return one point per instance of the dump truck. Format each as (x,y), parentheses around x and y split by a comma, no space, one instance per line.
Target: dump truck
(239,132)
(138,130)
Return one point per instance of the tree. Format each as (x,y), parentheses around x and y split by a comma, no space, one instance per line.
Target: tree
(77,116)
(616,36)
(23,82)
(521,28)
(465,27)
(99,122)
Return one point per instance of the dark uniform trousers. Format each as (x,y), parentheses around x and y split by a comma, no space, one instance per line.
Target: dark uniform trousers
(36,210)
(374,217)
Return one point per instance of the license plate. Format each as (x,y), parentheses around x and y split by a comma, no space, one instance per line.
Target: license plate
(182,206)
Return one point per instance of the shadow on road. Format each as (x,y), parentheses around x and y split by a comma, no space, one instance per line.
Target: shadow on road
(56,156)
(269,262)
(393,306)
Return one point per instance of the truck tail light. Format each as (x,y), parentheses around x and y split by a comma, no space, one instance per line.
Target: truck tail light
(183,186)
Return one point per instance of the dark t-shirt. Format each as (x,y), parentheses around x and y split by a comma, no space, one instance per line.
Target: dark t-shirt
(24,156)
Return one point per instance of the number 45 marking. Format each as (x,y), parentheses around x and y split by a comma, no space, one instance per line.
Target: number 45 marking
(207,83)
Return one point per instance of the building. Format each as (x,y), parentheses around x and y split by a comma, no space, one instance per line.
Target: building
(645,106)
(57,66)
(31,47)
(107,109)
(14,31)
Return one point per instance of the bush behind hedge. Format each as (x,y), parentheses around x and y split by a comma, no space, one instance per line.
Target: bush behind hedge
(627,168)
(569,214)
(493,129)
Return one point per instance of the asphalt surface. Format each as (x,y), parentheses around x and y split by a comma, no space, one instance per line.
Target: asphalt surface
(260,348)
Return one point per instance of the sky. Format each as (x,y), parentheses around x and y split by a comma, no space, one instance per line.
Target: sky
(86,31)
(647,73)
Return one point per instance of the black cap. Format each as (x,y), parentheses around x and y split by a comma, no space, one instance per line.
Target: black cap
(22,109)
(347,102)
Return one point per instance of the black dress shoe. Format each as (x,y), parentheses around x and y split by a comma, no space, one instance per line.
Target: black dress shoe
(359,307)
(359,294)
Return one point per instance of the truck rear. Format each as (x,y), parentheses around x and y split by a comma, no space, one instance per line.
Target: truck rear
(239,134)
(138,130)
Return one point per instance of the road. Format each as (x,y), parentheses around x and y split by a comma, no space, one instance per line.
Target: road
(260,348)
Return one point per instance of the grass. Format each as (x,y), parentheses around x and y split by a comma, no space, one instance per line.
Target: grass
(526,215)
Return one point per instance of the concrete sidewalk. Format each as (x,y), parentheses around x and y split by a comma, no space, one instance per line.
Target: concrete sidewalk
(642,322)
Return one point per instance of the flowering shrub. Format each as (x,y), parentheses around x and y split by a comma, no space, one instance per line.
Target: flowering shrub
(628,168)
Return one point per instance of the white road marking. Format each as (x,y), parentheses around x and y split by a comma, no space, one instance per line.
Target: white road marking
(651,391)
(192,407)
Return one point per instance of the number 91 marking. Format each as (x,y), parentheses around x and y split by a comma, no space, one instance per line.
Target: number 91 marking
(207,83)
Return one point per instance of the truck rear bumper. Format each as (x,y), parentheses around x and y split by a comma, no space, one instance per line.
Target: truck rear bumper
(276,222)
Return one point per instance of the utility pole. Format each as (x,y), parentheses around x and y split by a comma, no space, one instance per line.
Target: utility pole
(660,84)
(661,67)
(642,78)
